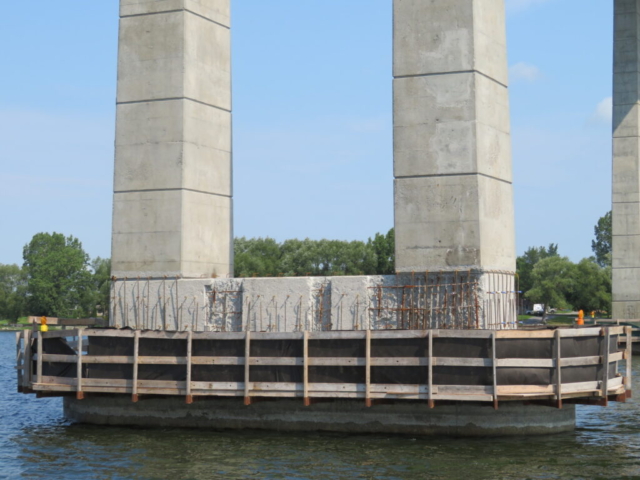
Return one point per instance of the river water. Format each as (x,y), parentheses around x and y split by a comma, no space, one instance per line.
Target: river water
(36,442)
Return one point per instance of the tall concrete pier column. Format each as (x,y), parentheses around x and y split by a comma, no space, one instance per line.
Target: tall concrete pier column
(452,146)
(172,210)
(626,160)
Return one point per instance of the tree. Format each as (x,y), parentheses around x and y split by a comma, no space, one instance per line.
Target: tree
(256,256)
(102,284)
(525,263)
(12,292)
(591,287)
(384,249)
(601,246)
(59,282)
(552,280)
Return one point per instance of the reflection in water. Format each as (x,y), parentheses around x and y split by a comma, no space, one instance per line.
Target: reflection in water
(36,442)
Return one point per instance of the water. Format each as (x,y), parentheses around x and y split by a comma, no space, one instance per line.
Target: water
(36,442)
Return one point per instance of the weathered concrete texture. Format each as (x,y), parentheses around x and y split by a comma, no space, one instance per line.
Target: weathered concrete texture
(446,299)
(415,418)
(626,161)
(452,146)
(172,187)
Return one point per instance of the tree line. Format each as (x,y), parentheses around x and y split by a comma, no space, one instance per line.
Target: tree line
(58,278)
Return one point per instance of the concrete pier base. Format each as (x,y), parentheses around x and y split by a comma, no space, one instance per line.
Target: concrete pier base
(461,419)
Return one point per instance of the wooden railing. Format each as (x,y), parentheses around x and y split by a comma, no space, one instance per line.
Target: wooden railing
(31,378)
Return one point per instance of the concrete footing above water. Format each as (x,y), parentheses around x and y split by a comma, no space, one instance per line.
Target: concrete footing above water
(461,419)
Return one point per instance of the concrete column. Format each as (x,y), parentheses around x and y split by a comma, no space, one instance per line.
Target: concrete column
(452,146)
(626,160)
(172,211)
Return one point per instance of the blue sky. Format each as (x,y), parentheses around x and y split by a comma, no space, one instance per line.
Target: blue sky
(312,120)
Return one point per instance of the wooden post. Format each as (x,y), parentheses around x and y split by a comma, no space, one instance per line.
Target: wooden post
(189,399)
(19,360)
(305,368)
(494,368)
(558,355)
(27,373)
(629,355)
(605,372)
(39,367)
(79,346)
(430,370)
(136,351)
(368,369)
(247,356)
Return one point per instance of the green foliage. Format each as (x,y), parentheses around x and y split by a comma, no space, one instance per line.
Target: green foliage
(591,287)
(59,282)
(601,246)
(266,257)
(525,264)
(101,285)
(552,280)
(12,292)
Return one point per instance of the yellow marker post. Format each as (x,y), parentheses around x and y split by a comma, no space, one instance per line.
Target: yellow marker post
(43,324)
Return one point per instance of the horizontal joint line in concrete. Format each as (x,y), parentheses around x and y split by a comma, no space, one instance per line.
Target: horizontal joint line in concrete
(455,175)
(623,268)
(418,75)
(172,190)
(172,99)
(176,11)
(626,235)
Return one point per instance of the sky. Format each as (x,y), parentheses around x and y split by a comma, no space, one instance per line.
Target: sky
(312,120)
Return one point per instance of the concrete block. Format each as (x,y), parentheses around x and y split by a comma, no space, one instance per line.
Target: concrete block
(496,220)
(627,280)
(151,57)
(207,73)
(626,169)
(434,131)
(450,36)
(437,222)
(215,10)
(626,219)
(147,234)
(625,310)
(207,248)
(626,86)
(626,120)
(625,251)
(149,148)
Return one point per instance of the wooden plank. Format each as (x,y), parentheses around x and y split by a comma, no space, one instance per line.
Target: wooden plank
(79,394)
(580,361)
(40,355)
(338,361)
(102,359)
(629,357)
(525,333)
(558,362)
(430,369)
(522,389)
(580,332)
(247,363)
(162,360)
(392,334)
(605,370)
(189,398)
(399,362)
(368,368)
(219,336)
(92,332)
(49,357)
(136,362)
(494,371)
(305,371)
(20,366)
(342,335)
(465,389)
(292,361)
(58,333)
(461,362)
(87,322)
(525,362)
(164,335)
(462,333)
(217,360)
(27,376)
(217,386)
(276,335)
